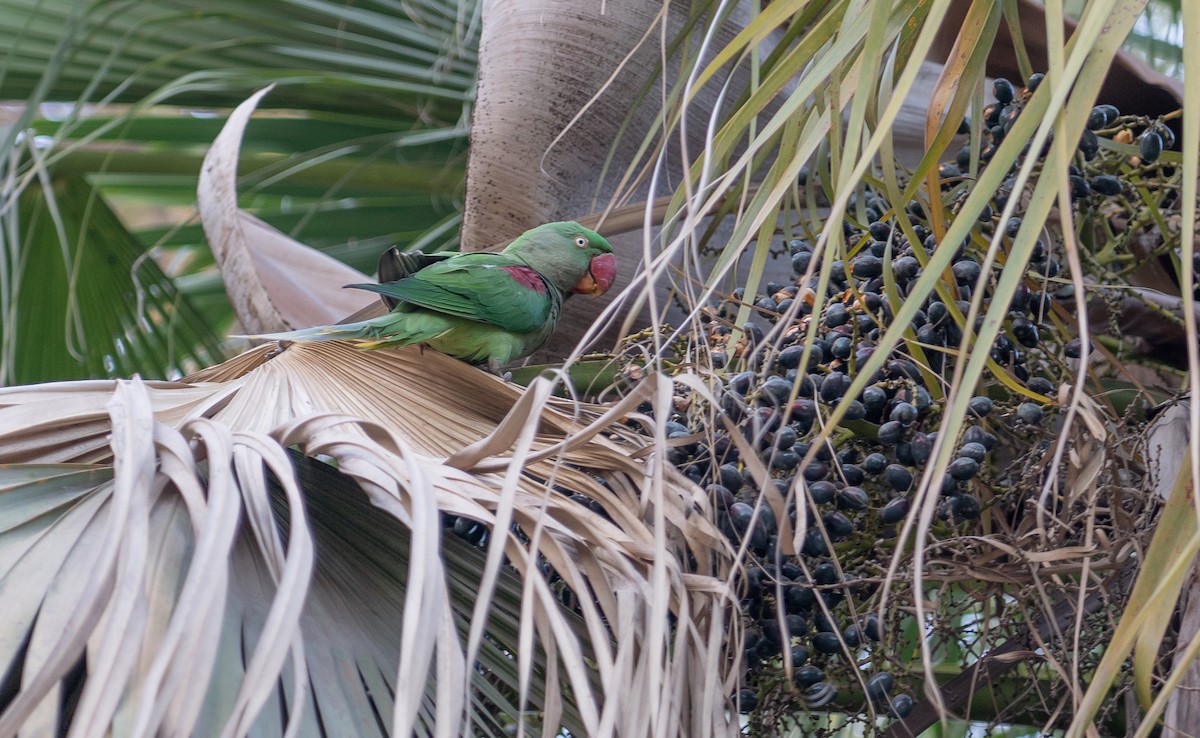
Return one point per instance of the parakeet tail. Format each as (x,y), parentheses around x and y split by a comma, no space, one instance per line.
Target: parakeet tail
(393,329)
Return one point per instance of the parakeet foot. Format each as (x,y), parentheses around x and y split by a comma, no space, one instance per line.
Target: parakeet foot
(495,367)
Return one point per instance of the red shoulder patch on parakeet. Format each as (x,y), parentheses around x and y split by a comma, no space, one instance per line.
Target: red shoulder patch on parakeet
(526,277)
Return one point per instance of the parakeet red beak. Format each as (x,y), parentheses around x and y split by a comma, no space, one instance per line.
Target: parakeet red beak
(602,272)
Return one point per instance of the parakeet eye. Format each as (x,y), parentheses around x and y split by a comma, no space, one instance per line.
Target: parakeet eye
(581,242)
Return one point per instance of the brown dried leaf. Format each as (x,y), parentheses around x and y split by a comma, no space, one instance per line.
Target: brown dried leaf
(274,282)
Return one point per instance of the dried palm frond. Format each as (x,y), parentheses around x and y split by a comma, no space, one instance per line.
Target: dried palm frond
(172,565)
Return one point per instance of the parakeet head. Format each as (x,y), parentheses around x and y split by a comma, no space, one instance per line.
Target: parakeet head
(575,259)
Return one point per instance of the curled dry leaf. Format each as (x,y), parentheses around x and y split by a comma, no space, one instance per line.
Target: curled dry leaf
(1167,438)
(274,282)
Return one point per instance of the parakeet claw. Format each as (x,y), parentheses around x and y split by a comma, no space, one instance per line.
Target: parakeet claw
(494,367)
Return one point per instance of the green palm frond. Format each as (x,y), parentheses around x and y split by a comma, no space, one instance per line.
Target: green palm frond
(366,151)
(329,55)
(85,299)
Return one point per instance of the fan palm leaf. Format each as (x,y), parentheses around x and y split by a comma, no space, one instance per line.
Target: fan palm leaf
(163,534)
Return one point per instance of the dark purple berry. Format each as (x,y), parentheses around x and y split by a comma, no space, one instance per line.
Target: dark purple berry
(747,700)
(806,676)
(891,432)
(1030,413)
(789,358)
(1079,189)
(798,599)
(834,386)
(853,498)
(1150,145)
(742,382)
(816,471)
(975,434)
(1089,145)
(835,315)
(866,266)
(980,406)
(879,686)
(874,463)
(879,230)
(894,511)
(827,643)
(754,333)
(949,170)
(901,705)
(965,507)
(785,460)
(825,573)
(766,305)
(872,628)
(841,347)
(852,635)
(776,390)
(991,113)
(730,477)
(904,413)
(838,526)
(974,451)
(814,544)
(820,694)
(963,468)
(898,477)
(1106,184)
(1040,385)
(1025,332)
(874,399)
(921,447)
(1073,349)
(799,656)
(822,492)
(800,262)
(1003,90)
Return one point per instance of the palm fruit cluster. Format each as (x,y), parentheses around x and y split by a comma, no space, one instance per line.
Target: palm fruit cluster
(812,634)
(855,489)
(1151,137)
(813,638)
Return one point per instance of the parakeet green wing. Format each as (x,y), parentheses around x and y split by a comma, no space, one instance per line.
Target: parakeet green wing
(395,265)
(488,288)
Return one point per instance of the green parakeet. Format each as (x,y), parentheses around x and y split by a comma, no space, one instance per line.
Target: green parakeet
(480,307)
